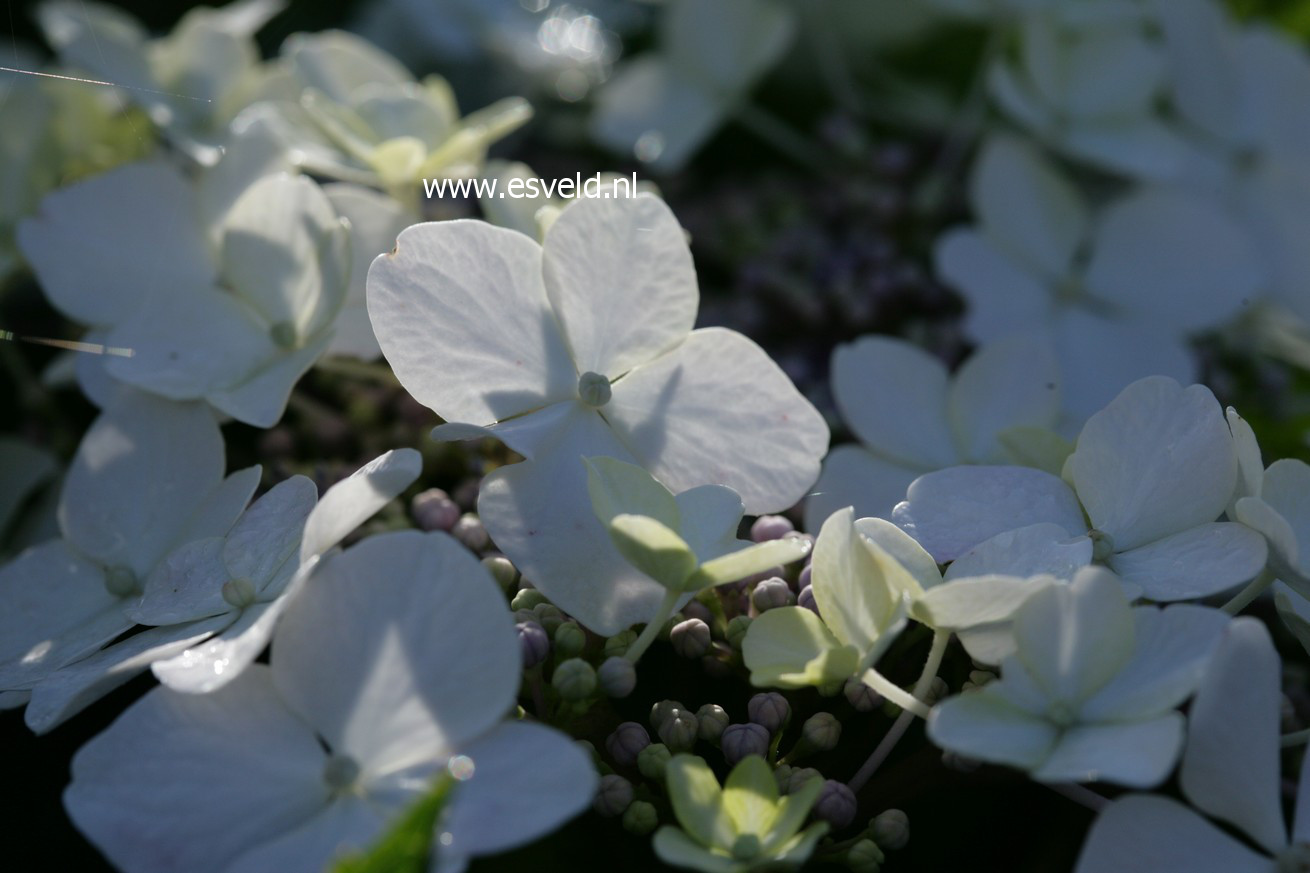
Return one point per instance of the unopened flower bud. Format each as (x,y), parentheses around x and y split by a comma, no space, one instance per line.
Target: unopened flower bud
(502,570)
(865,857)
(890,829)
(711,719)
(737,630)
(527,599)
(690,638)
(821,731)
(534,642)
(836,804)
(679,731)
(662,710)
(799,777)
(977,679)
(696,609)
(121,582)
(806,599)
(782,775)
(616,677)
(434,510)
(548,616)
(238,593)
(771,593)
(594,389)
(617,645)
(740,740)
(613,796)
(1102,545)
(803,578)
(861,696)
(626,743)
(574,679)
(769,710)
(588,749)
(652,760)
(469,531)
(770,527)
(570,639)
(640,818)
(283,334)
(937,691)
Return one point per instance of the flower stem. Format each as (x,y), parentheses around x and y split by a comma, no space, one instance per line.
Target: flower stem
(902,723)
(1296,739)
(1254,589)
(1079,795)
(652,629)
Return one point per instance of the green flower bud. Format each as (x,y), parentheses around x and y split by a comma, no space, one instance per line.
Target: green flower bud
(549,616)
(570,639)
(737,630)
(594,389)
(574,679)
(865,857)
(640,818)
(613,796)
(652,760)
(821,732)
(121,582)
(663,710)
(617,645)
(679,731)
(501,570)
(527,599)
(238,593)
(890,829)
(617,677)
(711,719)
(284,335)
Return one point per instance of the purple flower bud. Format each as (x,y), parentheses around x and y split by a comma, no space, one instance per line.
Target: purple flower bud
(466,494)
(711,719)
(613,795)
(836,804)
(469,531)
(679,731)
(890,829)
(616,677)
(740,740)
(534,643)
(626,743)
(861,696)
(690,638)
(434,510)
(822,731)
(770,527)
(803,578)
(696,609)
(806,599)
(770,710)
(770,594)
(574,679)
(640,818)
(662,710)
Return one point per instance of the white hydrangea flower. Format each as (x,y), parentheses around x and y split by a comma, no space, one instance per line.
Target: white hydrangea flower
(533,216)
(192,82)
(583,347)
(397,657)
(662,106)
(209,607)
(352,112)
(147,478)
(1117,292)
(226,290)
(1086,81)
(1230,772)
(912,417)
(1150,475)
(1091,690)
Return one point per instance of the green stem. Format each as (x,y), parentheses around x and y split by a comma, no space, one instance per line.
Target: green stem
(1295,739)
(902,723)
(1254,589)
(652,629)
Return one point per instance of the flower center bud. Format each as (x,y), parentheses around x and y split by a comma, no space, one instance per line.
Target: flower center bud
(594,389)
(1102,546)
(340,772)
(121,582)
(284,334)
(1061,714)
(238,593)
(745,847)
